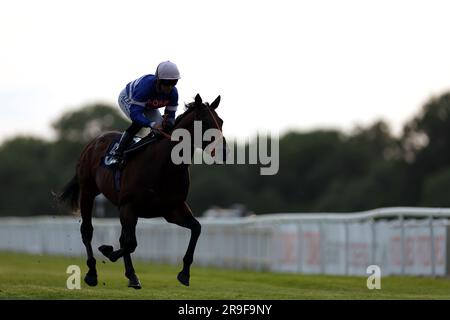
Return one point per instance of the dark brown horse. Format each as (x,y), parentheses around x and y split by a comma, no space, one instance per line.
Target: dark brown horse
(151,186)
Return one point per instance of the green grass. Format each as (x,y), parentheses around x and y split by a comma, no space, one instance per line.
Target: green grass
(44,277)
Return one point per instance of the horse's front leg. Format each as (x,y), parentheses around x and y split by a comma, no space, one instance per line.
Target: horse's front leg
(183,217)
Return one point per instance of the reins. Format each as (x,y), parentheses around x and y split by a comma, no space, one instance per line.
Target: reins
(168,136)
(216,124)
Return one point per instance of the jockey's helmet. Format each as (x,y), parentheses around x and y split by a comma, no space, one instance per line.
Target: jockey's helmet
(167,70)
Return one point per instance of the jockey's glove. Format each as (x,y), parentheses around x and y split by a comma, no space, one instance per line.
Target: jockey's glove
(168,124)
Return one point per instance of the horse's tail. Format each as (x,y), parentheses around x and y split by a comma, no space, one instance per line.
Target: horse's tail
(70,194)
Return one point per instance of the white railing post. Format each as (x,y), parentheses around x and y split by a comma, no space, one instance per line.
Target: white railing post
(347,248)
(322,248)
(433,251)
(299,248)
(402,243)
(374,241)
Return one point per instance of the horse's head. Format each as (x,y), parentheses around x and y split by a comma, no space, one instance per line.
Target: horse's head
(207,115)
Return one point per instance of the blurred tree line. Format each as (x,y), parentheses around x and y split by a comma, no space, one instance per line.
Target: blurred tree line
(321,170)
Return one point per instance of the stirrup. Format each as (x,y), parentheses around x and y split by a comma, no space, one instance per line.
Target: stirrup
(114,161)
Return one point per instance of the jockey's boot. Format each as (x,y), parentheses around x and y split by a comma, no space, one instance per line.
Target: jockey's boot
(123,143)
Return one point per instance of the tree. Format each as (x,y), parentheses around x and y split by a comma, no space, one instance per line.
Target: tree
(26,174)
(321,170)
(31,168)
(436,189)
(83,125)
(426,144)
(426,138)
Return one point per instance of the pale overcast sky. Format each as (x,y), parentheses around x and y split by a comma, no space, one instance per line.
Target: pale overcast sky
(277,64)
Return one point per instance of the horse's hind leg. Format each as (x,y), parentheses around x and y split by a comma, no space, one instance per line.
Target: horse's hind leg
(128,244)
(133,280)
(86,205)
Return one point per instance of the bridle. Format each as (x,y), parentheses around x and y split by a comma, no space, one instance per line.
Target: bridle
(215,122)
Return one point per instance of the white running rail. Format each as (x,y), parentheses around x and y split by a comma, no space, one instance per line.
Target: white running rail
(401,240)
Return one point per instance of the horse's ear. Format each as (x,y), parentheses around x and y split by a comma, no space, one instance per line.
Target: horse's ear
(198,100)
(215,103)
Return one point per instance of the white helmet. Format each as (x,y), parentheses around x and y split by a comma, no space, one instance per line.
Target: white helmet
(167,71)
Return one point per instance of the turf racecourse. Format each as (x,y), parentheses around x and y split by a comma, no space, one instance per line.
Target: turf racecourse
(44,277)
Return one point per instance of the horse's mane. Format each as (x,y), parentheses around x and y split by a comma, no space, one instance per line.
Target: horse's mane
(188,108)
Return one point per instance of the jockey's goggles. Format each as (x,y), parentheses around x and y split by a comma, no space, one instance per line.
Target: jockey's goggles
(168,82)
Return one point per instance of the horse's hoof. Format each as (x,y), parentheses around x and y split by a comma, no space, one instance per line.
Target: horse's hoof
(183,278)
(114,256)
(106,250)
(134,283)
(91,280)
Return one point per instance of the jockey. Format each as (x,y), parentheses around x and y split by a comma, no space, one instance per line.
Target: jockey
(141,99)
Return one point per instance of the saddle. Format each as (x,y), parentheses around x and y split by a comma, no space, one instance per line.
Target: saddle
(137,144)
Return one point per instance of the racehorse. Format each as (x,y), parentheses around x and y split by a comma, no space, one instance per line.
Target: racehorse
(151,185)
